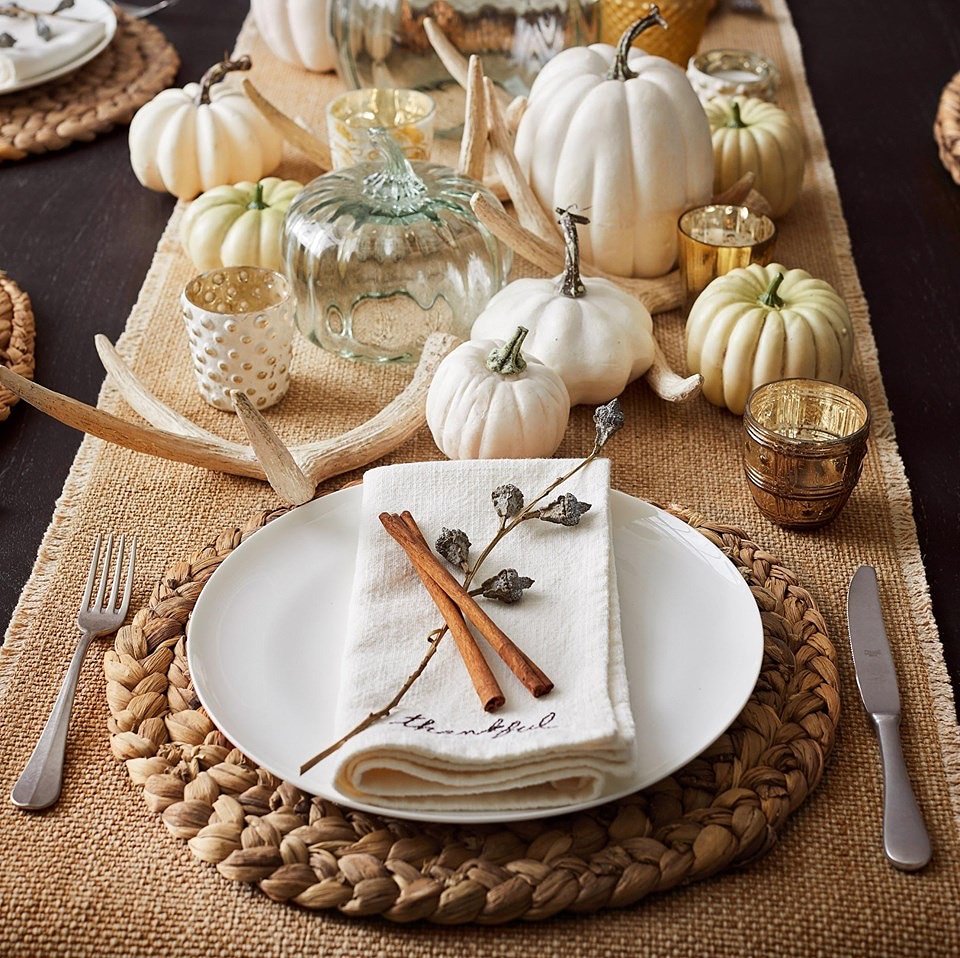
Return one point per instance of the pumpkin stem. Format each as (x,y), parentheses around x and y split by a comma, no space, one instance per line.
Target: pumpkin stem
(619,69)
(571,283)
(395,190)
(770,297)
(735,122)
(257,202)
(217,72)
(506,359)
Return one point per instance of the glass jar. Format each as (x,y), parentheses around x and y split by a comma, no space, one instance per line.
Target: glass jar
(382,254)
(382,43)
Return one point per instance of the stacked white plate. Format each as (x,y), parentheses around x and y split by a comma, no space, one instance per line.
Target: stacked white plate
(73,37)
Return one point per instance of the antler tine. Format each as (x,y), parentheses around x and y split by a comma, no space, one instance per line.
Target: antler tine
(473,145)
(142,401)
(312,146)
(450,56)
(282,471)
(531,214)
(393,425)
(666,383)
(514,113)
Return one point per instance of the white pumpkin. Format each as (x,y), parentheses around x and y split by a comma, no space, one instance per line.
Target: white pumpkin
(238,225)
(297,31)
(751,135)
(487,402)
(206,134)
(763,323)
(621,134)
(597,337)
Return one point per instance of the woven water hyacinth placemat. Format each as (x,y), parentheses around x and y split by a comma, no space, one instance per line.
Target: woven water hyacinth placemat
(100,874)
(946,128)
(17,336)
(138,64)
(722,810)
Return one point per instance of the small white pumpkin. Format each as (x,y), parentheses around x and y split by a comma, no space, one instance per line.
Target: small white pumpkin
(751,135)
(620,133)
(487,402)
(594,335)
(759,324)
(238,225)
(188,140)
(297,31)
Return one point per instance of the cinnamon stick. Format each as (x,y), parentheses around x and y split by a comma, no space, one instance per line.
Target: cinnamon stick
(484,681)
(535,680)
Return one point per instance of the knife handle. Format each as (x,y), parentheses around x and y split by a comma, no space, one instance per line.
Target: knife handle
(905,838)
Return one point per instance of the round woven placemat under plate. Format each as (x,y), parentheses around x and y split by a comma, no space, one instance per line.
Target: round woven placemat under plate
(722,810)
(946,127)
(17,337)
(138,64)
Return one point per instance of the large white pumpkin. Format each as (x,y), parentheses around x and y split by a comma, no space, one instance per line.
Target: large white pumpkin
(622,135)
(188,140)
(297,31)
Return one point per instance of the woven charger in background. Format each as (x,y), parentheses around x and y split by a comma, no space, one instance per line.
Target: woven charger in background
(946,128)
(17,337)
(138,64)
(99,874)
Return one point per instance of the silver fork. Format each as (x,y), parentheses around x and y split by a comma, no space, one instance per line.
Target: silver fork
(39,785)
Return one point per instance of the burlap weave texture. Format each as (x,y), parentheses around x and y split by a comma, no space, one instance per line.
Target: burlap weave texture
(99,875)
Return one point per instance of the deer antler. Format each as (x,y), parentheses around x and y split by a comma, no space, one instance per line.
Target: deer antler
(181,440)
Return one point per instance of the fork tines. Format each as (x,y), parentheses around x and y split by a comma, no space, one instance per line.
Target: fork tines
(110,605)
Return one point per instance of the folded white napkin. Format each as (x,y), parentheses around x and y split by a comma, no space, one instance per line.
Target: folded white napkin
(439,749)
(32,56)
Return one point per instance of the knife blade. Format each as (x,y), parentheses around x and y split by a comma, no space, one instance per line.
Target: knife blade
(905,839)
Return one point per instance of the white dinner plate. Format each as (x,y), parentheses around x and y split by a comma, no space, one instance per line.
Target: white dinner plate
(92,10)
(267,634)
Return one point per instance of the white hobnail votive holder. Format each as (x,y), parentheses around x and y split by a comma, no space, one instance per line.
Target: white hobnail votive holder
(239,322)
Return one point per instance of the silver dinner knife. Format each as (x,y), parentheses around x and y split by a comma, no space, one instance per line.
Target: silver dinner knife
(905,838)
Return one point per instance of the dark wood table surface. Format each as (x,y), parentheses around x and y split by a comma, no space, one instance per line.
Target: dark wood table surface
(77,232)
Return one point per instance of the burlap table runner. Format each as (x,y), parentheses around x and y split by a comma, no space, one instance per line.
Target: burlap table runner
(99,875)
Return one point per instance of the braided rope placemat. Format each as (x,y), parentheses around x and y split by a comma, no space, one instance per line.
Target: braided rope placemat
(946,127)
(138,64)
(722,810)
(17,337)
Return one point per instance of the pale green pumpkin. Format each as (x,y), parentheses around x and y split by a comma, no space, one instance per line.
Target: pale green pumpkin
(762,323)
(238,225)
(751,135)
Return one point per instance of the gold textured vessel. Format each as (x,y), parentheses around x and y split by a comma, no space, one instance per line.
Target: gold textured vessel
(687,20)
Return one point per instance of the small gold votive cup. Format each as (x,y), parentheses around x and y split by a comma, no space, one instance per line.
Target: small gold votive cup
(407,115)
(717,239)
(239,322)
(804,443)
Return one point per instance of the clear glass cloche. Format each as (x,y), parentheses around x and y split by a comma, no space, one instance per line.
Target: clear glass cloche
(382,254)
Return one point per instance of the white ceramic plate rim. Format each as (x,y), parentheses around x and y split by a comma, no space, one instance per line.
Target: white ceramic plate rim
(109,18)
(619,788)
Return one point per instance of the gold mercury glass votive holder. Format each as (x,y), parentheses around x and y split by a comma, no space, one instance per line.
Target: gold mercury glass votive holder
(716,239)
(407,115)
(239,322)
(804,443)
